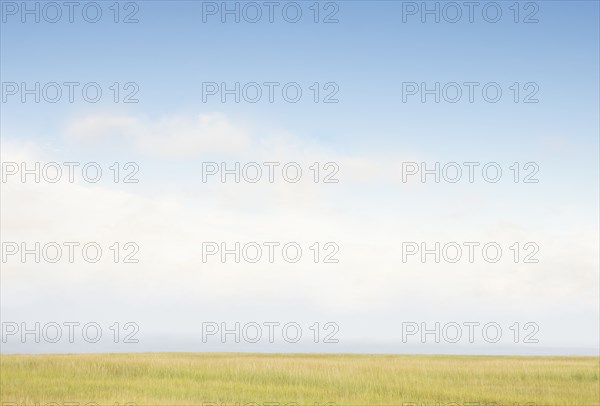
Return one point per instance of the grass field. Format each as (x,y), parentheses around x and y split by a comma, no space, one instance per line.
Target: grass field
(197,378)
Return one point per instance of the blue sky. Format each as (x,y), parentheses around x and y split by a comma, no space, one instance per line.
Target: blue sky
(369,53)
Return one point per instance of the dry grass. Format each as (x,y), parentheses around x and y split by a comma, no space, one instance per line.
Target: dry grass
(306,379)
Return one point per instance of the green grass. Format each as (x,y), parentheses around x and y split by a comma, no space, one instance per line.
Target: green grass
(194,378)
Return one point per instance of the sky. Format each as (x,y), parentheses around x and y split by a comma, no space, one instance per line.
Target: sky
(348,95)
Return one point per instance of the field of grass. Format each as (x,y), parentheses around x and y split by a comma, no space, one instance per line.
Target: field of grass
(197,378)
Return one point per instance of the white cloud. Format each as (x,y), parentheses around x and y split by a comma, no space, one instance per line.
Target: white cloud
(369,282)
(215,136)
(173,136)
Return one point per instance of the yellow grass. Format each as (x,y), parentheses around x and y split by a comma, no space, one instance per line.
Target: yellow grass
(306,379)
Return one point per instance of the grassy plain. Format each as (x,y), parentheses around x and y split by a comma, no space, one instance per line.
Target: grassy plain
(305,379)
